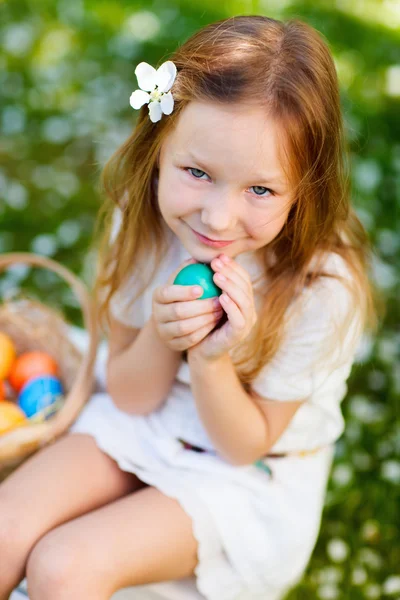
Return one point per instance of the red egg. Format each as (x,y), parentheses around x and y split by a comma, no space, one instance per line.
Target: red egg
(29,365)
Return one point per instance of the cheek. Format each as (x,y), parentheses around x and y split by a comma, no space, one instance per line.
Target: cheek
(174,197)
(266,227)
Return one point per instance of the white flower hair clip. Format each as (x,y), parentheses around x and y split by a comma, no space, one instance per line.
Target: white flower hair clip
(158,83)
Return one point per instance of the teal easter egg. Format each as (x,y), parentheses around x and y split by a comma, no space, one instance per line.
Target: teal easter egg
(199,274)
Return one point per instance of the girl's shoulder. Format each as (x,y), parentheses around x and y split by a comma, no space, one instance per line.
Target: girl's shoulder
(332,264)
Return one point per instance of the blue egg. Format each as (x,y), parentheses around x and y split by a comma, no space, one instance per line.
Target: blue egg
(39,393)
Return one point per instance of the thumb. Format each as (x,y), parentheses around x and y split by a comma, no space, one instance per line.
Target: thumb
(185,263)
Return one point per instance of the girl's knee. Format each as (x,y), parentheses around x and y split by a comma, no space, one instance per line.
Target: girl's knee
(49,567)
(56,569)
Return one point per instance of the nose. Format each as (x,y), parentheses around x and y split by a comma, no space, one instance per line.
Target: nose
(220,214)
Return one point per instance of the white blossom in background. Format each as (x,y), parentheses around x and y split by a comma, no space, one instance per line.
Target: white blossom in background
(388,348)
(393,80)
(68,233)
(328,591)
(66,183)
(364,348)
(57,130)
(390,471)
(366,410)
(367,174)
(370,557)
(342,474)
(142,25)
(384,274)
(45,244)
(359,576)
(329,574)
(18,272)
(372,591)
(18,38)
(13,120)
(16,196)
(337,550)
(388,241)
(43,176)
(391,585)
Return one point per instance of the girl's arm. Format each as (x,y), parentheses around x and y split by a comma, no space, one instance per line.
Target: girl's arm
(241,428)
(140,369)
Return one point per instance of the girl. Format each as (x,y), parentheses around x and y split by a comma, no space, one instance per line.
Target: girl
(206,454)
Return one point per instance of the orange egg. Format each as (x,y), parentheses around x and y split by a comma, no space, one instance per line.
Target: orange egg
(7,355)
(2,390)
(10,416)
(29,365)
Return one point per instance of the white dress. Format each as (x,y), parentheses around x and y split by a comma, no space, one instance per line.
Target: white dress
(255,530)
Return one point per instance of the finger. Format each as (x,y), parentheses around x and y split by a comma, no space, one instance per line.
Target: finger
(239,295)
(228,265)
(235,315)
(165,294)
(177,329)
(177,311)
(185,342)
(185,263)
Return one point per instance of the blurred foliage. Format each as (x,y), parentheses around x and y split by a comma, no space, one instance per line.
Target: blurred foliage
(66,74)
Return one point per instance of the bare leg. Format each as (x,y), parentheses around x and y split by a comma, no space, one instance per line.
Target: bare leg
(60,482)
(142,538)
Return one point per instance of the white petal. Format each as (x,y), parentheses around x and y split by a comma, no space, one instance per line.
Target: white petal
(167,103)
(165,76)
(155,111)
(138,98)
(146,76)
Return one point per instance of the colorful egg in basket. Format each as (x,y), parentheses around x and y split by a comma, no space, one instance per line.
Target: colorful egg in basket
(36,326)
(41,395)
(30,365)
(10,416)
(7,354)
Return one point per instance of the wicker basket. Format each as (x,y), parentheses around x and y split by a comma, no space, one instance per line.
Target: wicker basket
(35,326)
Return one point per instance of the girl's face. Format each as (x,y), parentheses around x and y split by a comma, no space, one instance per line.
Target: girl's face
(219,176)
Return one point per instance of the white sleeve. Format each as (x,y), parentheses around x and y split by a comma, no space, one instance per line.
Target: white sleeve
(308,358)
(121,307)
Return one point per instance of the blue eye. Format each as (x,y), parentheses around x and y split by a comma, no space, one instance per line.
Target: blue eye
(193,169)
(260,187)
(198,174)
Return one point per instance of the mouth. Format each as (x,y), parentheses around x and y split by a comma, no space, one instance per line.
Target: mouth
(210,242)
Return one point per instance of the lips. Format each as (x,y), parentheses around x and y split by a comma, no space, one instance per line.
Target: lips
(212,243)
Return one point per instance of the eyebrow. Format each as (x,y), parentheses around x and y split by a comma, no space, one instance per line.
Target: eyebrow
(256,177)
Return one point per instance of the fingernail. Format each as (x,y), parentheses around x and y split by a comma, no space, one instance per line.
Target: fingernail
(197,290)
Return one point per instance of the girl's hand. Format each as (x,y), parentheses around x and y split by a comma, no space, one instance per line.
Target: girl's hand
(237,301)
(181,320)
